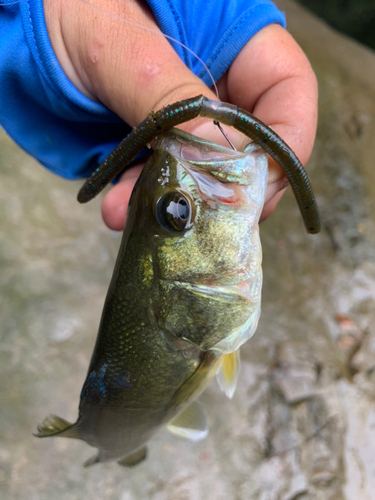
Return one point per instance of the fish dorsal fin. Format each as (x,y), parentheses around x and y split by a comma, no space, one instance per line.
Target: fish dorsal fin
(191,423)
(134,459)
(56,426)
(227,376)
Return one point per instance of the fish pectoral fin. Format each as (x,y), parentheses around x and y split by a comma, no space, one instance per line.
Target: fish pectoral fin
(56,426)
(191,423)
(134,459)
(227,375)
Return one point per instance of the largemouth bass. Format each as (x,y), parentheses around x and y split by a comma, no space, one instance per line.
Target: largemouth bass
(184,296)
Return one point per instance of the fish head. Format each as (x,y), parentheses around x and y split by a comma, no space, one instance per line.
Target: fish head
(199,205)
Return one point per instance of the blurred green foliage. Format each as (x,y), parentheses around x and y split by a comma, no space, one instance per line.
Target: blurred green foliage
(356,18)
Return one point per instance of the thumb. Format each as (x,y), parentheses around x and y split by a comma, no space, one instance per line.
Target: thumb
(114,53)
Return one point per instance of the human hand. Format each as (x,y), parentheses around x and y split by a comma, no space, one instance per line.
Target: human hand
(132,70)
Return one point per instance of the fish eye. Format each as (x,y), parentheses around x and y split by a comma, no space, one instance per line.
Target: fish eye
(173,211)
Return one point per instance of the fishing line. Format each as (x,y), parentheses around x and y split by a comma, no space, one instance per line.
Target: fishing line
(160,33)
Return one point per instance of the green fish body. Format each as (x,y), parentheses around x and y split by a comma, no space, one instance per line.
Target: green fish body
(185,294)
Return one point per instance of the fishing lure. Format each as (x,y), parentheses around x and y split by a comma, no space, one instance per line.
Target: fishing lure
(182,111)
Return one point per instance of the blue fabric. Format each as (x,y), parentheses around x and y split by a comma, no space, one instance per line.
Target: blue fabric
(67,132)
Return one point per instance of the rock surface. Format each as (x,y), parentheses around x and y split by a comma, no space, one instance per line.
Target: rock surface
(301,424)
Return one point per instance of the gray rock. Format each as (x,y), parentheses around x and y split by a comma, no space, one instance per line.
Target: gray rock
(301,424)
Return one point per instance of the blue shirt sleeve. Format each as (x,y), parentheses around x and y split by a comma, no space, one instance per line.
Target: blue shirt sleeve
(71,134)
